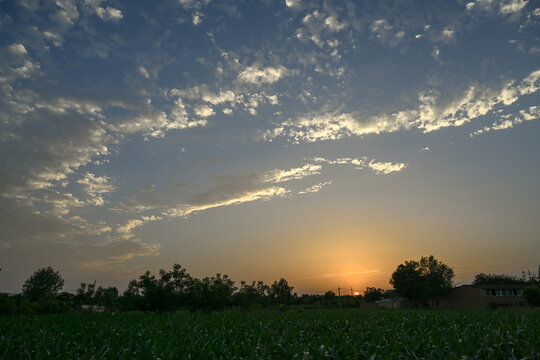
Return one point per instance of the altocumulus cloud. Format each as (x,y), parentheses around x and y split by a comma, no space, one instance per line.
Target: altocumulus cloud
(430,115)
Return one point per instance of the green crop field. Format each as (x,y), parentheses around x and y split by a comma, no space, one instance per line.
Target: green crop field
(271,334)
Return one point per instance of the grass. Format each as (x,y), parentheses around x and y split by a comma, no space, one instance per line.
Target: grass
(270,334)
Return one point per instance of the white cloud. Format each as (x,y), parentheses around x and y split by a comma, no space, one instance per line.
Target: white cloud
(247,196)
(512,6)
(333,24)
(292,3)
(196,18)
(448,35)
(278,176)
(507,122)
(358,163)
(128,227)
(229,190)
(432,113)
(384,32)
(109,14)
(386,167)
(204,111)
(380,28)
(505,7)
(530,84)
(144,72)
(68,12)
(221,97)
(154,123)
(436,54)
(104,13)
(315,188)
(257,75)
(96,186)
(17,49)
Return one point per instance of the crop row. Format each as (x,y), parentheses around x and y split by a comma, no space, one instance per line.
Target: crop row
(269,334)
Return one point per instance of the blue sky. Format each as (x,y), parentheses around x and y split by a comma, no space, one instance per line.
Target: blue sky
(324,142)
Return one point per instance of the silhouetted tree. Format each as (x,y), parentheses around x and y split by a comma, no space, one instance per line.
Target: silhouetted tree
(44,282)
(85,293)
(373,294)
(212,293)
(527,277)
(282,292)
(495,279)
(107,297)
(423,281)
(168,292)
(251,294)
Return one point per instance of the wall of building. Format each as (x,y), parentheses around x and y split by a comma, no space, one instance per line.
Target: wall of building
(480,297)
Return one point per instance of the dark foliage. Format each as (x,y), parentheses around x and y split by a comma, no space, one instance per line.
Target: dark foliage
(423,282)
(45,282)
(373,294)
(504,279)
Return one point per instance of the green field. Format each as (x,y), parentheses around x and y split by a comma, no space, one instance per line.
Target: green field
(272,334)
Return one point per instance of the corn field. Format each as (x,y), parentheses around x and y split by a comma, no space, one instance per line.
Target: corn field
(272,334)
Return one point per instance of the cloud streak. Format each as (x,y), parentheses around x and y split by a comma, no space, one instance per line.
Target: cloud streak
(431,114)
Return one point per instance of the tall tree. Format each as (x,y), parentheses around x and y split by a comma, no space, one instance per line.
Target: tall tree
(423,281)
(44,282)
(282,292)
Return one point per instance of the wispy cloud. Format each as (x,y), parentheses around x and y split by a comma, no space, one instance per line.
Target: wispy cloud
(508,121)
(432,113)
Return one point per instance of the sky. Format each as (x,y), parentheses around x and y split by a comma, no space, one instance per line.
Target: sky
(325,142)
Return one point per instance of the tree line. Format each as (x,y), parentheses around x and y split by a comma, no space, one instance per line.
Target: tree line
(169,290)
(421,282)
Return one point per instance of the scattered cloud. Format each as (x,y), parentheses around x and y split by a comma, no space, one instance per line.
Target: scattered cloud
(333,24)
(257,74)
(292,3)
(512,6)
(315,188)
(508,121)
(96,186)
(204,111)
(386,167)
(432,113)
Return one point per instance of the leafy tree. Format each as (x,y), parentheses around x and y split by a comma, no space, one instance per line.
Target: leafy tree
(282,292)
(408,283)
(44,282)
(85,293)
(495,279)
(527,277)
(438,276)
(423,281)
(213,293)
(373,294)
(329,295)
(168,292)
(251,294)
(107,297)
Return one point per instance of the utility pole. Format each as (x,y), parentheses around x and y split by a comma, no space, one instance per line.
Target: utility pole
(351,291)
(339,296)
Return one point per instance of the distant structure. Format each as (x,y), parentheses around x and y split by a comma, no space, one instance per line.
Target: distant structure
(485,297)
(473,297)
